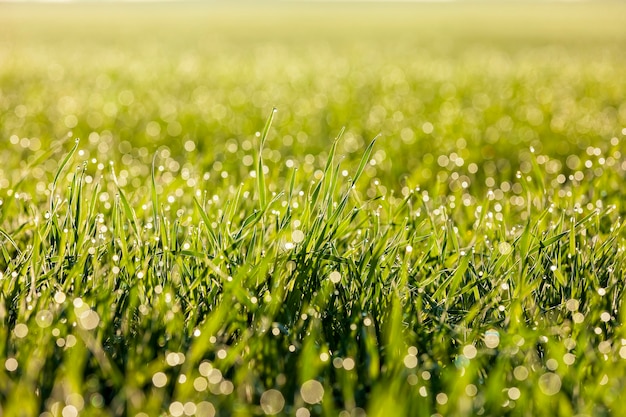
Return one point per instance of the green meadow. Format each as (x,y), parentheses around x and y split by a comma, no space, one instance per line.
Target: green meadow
(312,209)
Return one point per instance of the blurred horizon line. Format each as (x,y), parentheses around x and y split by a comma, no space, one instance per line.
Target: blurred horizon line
(303,1)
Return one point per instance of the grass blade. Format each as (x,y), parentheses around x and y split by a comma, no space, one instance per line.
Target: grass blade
(262,187)
(62,166)
(364,160)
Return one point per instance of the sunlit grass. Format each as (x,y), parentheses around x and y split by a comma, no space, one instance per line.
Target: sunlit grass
(415,231)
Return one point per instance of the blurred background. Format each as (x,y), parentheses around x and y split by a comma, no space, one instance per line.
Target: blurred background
(459,91)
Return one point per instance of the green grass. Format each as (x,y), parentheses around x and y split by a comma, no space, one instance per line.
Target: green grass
(431,223)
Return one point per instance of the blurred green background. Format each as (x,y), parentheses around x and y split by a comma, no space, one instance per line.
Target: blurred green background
(460,87)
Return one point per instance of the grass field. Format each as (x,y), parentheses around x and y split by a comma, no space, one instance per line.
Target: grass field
(430,222)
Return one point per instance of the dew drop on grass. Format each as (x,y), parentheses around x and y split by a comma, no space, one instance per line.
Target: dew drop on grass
(569,343)
(492,339)
(504,248)
(20,330)
(189,409)
(303,412)
(176,409)
(569,359)
(200,384)
(604,347)
(297,236)
(69,411)
(70,341)
(348,364)
(514,393)
(76,400)
(44,319)
(520,373)
(272,402)
(442,398)
(89,320)
(215,376)
(572,304)
(312,392)
(410,361)
(471,390)
(206,409)
(550,383)
(205,368)
(470,351)
(335,277)
(578,317)
(11,364)
(552,364)
(159,379)
(226,387)
(171,359)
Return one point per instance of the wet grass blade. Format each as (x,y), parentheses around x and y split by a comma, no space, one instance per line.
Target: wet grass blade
(155,197)
(207,222)
(60,169)
(364,160)
(262,187)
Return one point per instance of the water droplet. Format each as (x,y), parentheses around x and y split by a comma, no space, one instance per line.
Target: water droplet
(504,248)
(20,330)
(514,393)
(297,236)
(312,392)
(492,339)
(159,379)
(272,402)
(176,409)
(44,319)
(335,277)
(410,361)
(303,412)
(11,364)
(550,383)
(469,351)
(572,305)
